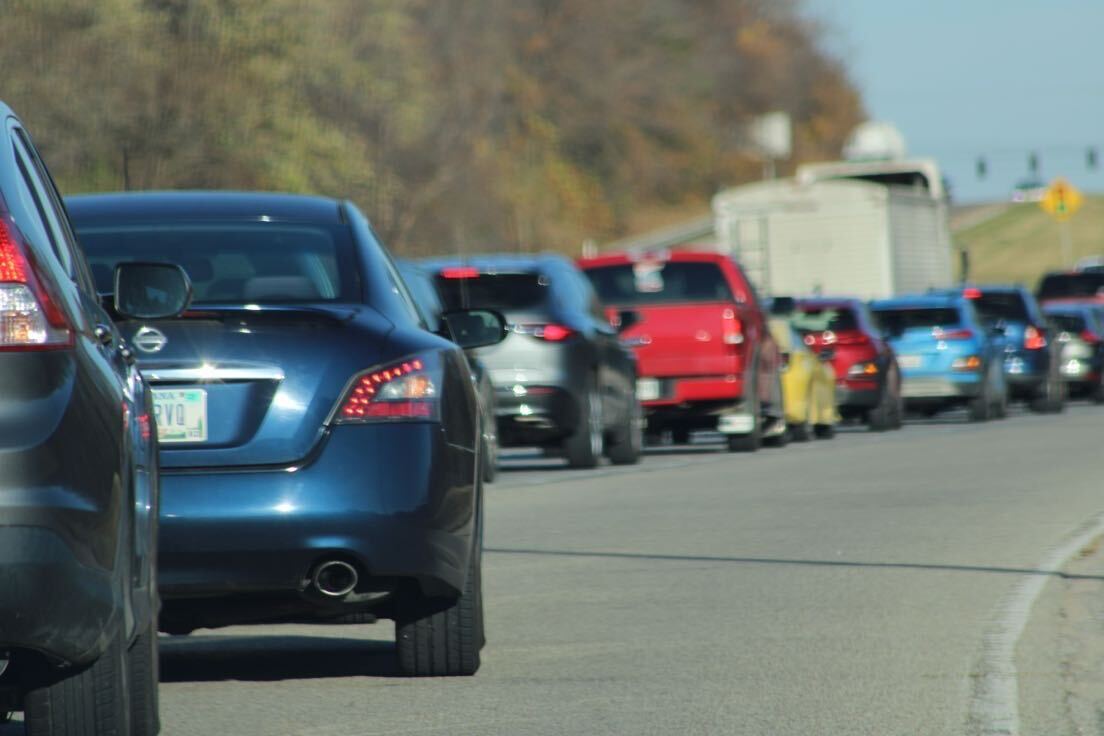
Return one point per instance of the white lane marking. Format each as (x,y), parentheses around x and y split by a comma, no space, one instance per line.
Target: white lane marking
(995,705)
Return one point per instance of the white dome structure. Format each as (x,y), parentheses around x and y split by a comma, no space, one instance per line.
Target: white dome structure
(875,141)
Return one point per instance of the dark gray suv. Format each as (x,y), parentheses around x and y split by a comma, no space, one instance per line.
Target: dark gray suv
(563,379)
(78,477)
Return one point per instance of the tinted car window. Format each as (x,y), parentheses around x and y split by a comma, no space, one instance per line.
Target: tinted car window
(899,320)
(994,306)
(657,282)
(234,263)
(507,291)
(1065,285)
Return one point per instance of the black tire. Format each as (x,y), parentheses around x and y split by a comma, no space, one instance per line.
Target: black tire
(627,441)
(801,432)
(779,440)
(980,406)
(880,418)
(1049,399)
(441,639)
(89,702)
(489,461)
(1000,406)
(145,673)
(1096,393)
(583,449)
(825,431)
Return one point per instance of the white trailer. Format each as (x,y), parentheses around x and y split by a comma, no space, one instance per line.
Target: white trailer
(867,230)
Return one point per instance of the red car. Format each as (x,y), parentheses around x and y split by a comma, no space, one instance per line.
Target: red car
(868,382)
(706,359)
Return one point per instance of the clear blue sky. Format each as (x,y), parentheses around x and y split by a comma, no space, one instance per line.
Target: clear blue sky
(969,78)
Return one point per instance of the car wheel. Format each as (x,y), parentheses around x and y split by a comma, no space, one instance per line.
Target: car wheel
(751,441)
(1096,395)
(89,702)
(144,671)
(489,461)
(441,640)
(1048,399)
(980,406)
(880,418)
(583,448)
(628,439)
(825,431)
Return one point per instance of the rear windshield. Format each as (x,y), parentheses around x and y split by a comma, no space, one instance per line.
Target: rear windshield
(1068,322)
(234,263)
(896,321)
(1063,285)
(1007,306)
(815,319)
(503,291)
(651,282)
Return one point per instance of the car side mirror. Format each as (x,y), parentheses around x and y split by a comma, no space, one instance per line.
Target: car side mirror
(151,290)
(626,319)
(474,328)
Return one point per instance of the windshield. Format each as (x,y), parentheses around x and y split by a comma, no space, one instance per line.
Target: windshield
(506,292)
(658,282)
(233,263)
(896,321)
(1068,322)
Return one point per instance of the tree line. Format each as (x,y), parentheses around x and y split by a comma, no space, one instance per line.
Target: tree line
(458,125)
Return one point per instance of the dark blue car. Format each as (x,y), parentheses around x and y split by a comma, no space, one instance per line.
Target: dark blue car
(320,447)
(947,356)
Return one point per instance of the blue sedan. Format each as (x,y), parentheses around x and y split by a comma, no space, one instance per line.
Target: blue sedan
(946,356)
(319,446)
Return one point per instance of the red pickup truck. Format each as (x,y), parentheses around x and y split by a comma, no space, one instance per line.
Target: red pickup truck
(705,356)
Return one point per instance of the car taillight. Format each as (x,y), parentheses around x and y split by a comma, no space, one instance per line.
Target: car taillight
(549,333)
(732,328)
(1089,337)
(29,318)
(852,337)
(868,369)
(404,390)
(1034,339)
(961,334)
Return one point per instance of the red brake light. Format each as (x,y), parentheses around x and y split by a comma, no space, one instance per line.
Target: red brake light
(404,390)
(971,293)
(959,334)
(1034,339)
(733,328)
(460,272)
(29,318)
(1089,336)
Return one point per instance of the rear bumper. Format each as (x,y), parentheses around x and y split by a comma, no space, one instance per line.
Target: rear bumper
(945,387)
(528,414)
(395,500)
(52,602)
(1026,370)
(855,397)
(705,402)
(686,392)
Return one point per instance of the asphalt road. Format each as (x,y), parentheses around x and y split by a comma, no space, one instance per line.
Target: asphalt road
(863,585)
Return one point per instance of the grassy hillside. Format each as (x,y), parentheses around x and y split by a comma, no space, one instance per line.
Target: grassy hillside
(1023,242)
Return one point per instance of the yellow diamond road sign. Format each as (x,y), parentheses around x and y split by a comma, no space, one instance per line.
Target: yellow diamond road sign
(1061,199)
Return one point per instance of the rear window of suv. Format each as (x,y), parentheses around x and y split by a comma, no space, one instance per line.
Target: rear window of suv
(825,319)
(994,306)
(660,282)
(234,263)
(896,321)
(1068,322)
(503,291)
(1070,285)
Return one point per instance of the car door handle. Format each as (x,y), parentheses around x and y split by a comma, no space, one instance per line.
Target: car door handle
(104,334)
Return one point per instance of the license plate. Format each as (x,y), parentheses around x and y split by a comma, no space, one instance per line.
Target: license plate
(908,361)
(181,414)
(647,389)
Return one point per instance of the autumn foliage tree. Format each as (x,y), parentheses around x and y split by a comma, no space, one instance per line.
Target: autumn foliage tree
(458,126)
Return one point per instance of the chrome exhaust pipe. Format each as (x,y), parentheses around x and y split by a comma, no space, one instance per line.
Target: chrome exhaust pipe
(334,578)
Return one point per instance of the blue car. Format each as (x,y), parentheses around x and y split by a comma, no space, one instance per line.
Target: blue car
(1031,357)
(319,446)
(947,357)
